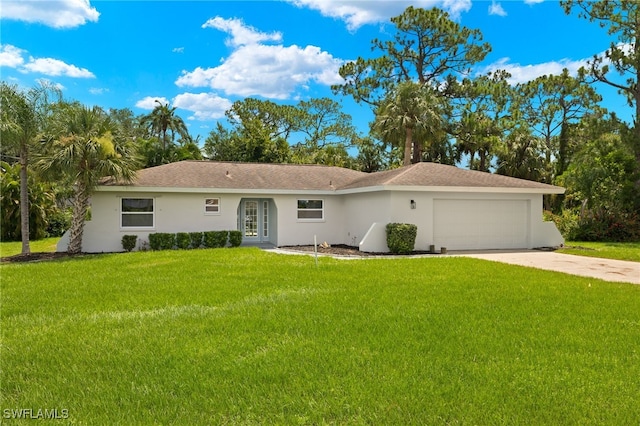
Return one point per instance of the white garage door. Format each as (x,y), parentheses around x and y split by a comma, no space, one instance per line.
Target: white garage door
(480,224)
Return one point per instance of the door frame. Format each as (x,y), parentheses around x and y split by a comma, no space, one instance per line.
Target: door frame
(259,218)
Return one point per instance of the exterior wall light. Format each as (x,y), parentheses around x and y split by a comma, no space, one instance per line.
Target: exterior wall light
(413,204)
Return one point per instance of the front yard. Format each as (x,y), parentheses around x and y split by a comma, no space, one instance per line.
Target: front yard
(241,336)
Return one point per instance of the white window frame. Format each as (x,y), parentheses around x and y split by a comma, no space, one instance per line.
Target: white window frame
(217,212)
(152,213)
(310,219)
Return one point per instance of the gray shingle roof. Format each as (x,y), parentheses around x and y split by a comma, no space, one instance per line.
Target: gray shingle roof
(210,174)
(438,175)
(296,177)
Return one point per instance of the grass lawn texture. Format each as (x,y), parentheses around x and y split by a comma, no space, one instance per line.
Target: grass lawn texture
(619,251)
(15,247)
(243,336)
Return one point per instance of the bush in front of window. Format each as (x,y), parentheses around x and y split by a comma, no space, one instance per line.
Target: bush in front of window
(196,239)
(162,241)
(183,241)
(154,241)
(401,237)
(215,239)
(129,242)
(235,238)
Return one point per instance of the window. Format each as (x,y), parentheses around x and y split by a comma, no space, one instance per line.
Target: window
(311,209)
(212,206)
(137,213)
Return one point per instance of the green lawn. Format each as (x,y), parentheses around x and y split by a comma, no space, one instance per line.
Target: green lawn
(241,336)
(15,247)
(620,251)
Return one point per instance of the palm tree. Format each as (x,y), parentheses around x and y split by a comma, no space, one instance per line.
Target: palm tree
(85,150)
(163,119)
(409,108)
(22,116)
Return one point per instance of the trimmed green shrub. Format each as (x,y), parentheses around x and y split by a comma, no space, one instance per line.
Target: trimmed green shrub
(401,237)
(59,222)
(235,238)
(129,242)
(215,239)
(183,241)
(154,241)
(162,241)
(196,239)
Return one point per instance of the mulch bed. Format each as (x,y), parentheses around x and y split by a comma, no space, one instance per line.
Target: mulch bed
(345,250)
(39,256)
(333,250)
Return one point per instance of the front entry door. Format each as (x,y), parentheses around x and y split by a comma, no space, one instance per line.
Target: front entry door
(254,221)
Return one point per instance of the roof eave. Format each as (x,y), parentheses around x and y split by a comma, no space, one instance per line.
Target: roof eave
(475,189)
(208,190)
(401,188)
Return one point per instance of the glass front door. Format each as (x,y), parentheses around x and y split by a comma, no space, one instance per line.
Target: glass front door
(254,220)
(250,219)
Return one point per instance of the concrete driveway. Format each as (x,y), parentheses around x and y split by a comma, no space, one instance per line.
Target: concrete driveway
(605,269)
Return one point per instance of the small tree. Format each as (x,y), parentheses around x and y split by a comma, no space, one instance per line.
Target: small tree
(85,150)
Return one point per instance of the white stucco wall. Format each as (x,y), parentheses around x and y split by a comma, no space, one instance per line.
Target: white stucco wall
(535,233)
(173,213)
(347,217)
(293,231)
(361,211)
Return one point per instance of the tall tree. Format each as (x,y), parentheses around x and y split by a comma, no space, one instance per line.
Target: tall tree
(482,117)
(621,18)
(322,123)
(85,150)
(262,131)
(427,47)
(163,120)
(409,108)
(22,118)
(550,104)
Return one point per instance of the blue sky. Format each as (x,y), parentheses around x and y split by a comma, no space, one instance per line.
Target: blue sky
(200,56)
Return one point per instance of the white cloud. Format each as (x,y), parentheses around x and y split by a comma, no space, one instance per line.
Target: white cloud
(55,68)
(205,106)
(241,34)
(10,56)
(496,9)
(178,50)
(13,57)
(53,13)
(524,73)
(268,71)
(271,71)
(357,13)
(533,1)
(98,90)
(150,102)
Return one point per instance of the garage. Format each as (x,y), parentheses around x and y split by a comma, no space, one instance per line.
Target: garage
(481,224)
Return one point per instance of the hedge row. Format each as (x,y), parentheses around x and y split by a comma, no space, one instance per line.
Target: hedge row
(187,240)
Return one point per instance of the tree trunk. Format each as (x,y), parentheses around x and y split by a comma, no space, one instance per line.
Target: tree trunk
(417,152)
(483,161)
(408,144)
(24,199)
(80,207)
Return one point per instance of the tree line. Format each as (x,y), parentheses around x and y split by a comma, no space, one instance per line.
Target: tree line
(427,106)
